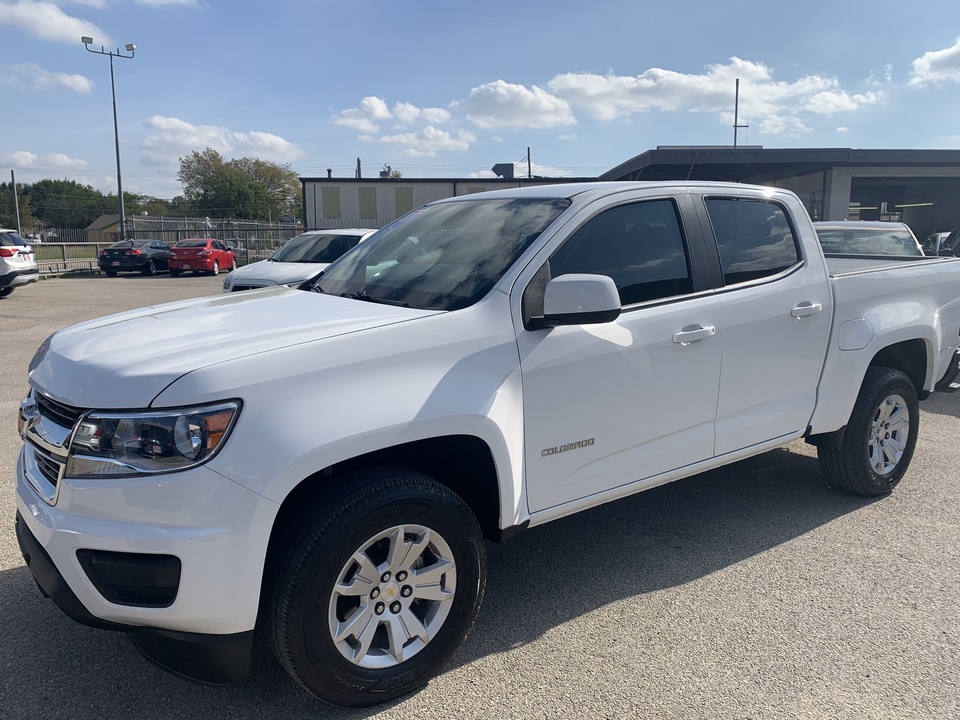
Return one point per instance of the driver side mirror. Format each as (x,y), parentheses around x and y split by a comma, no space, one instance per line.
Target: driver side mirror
(578,299)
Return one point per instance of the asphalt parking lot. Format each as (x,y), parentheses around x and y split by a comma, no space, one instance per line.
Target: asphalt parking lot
(752,591)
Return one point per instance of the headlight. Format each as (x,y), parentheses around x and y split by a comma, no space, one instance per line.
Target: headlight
(126,444)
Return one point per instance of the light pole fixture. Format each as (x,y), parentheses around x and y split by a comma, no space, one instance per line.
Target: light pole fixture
(130,48)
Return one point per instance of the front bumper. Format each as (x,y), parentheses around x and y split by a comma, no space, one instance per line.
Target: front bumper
(216,530)
(215,659)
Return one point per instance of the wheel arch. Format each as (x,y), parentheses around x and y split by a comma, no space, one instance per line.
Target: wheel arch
(463,463)
(912,358)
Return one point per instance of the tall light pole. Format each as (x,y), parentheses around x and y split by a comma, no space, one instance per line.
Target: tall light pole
(130,48)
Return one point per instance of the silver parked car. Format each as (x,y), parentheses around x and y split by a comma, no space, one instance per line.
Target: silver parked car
(865,237)
(299,259)
(17,263)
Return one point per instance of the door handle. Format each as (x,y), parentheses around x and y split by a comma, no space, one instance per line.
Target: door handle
(694,333)
(806,309)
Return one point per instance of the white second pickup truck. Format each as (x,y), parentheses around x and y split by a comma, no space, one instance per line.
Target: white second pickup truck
(329,460)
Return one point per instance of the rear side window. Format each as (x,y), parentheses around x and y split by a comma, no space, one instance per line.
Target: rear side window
(639,246)
(11,238)
(754,238)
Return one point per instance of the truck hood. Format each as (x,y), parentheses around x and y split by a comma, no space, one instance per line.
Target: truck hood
(271,272)
(126,360)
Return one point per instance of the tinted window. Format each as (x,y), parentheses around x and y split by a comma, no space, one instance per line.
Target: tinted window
(754,238)
(11,238)
(191,243)
(639,246)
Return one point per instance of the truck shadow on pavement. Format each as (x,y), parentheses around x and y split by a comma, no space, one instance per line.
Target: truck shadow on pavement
(538,581)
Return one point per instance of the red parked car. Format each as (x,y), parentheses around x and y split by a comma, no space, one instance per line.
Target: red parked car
(201,255)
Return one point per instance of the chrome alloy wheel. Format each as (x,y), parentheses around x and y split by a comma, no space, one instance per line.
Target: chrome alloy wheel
(889,433)
(392,596)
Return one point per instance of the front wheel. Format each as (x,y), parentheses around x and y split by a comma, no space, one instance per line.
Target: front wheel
(5,291)
(380,590)
(879,440)
(150,268)
(174,273)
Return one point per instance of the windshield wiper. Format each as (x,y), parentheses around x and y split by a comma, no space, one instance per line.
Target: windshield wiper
(366,297)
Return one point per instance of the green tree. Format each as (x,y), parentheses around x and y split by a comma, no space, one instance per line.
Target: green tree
(67,203)
(8,216)
(246,188)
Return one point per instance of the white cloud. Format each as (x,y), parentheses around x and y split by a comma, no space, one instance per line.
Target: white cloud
(567,138)
(501,104)
(773,107)
(937,66)
(429,141)
(831,101)
(365,118)
(373,110)
(42,79)
(843,130)
(26,160)
(175,138)
(46,21)
(168,3)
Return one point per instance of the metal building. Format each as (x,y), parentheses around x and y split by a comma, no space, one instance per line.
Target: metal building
(918,187)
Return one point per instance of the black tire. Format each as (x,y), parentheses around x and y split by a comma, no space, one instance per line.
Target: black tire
(216,268)
(5,291)
(880,438)
(174,273)
(111,273)
(308,601)
(150,268)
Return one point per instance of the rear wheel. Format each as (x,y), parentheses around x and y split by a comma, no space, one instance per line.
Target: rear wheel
(111,273)
(216,268)
(174,273)
(380,589)
(880,438)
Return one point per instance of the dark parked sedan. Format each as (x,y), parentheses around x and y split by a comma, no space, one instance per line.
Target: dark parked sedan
(145,256)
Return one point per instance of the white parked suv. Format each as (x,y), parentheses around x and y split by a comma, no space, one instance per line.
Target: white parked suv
(17,263)
(299,259)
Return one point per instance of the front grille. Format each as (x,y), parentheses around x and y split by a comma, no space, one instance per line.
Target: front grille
(63,415)
(48,465)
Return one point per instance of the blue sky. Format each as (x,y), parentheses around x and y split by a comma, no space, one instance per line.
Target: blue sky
(448,89)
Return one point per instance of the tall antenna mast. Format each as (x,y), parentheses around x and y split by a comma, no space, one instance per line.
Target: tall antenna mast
(736,114)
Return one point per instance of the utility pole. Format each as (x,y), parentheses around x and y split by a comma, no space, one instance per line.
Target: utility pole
(16,203)
(736,114)
(529,169)
(130,48)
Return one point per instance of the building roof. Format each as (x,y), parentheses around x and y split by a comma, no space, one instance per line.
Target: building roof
(103,222)
(753,163)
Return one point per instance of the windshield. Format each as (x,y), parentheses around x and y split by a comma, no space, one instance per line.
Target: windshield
(314,248)
(444,256)
(868,242)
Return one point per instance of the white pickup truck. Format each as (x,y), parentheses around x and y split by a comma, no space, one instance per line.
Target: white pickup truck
(328,460)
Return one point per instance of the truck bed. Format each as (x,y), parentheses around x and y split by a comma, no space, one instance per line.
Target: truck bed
(840,265)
